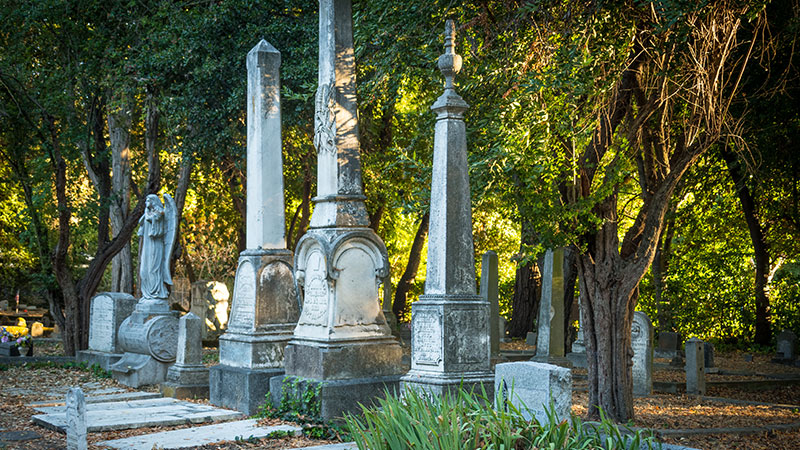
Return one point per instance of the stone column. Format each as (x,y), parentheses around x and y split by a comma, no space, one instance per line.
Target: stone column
(642,346)
(265,307)
(450,345)
(577,357)
(489,291)
(342,342)
(550,338)
(76,419)
(695,367)
(188,377)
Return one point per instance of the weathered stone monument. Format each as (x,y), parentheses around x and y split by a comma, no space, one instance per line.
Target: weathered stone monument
(642,345)
(489,291)
(532,386)
(76,420)
(342,343)
(450,344)
(577,355)
(669,344)
(695,367)
(149,336)
(265,307)
(786,346)
(550,337)
(188,377)
(708,357)
(107,312)
(209,302)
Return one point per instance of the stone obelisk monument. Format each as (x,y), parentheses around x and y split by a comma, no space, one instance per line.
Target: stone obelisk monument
(450,345)
(265,307)
(342,342)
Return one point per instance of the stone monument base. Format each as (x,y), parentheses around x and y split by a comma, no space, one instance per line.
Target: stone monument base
(337,360)
(336,397)
(136,370)
(186,381)
(102,359)
(561,361)
(476,382)
(577,360)
(175,390)
(240,388)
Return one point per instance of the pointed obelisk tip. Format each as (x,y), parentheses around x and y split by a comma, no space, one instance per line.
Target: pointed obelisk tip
(264,47)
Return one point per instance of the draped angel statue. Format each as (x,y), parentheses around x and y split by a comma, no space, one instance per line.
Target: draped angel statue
(157,236)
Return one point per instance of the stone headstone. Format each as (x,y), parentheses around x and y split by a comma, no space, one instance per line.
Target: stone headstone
(76,420)
(669,344)
(180,296)
(210,303)
(450,341)
(787,345)
(531,337)
(188,377)
(695,367)
(107,312)
(265,307)
(490,291)
(532,386)
(3,305)
(550,338)
(577,354)
(642,345)
(708,355)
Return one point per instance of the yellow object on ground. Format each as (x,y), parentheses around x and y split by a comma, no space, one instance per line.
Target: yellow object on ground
(21,329)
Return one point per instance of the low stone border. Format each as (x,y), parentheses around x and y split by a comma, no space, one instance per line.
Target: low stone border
(19,360)
(749,402)
(732,430)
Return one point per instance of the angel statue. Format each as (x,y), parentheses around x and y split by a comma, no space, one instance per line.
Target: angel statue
(157,236)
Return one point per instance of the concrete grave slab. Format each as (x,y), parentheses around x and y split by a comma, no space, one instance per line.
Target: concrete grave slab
(137,414)
(193,437)
(116,397)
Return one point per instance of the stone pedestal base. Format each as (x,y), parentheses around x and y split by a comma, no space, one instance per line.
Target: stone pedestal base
(136,370)
(186,381)
(339,360)
(478,383)
(257,349)
(238,388)
(336,397)
(561,361)
(102,359)
(578,360)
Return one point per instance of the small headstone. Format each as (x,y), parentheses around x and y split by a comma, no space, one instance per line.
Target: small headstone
(695,367)
(748,357)
(4,305)
(180,296)
(531,337)
(210,303)
(489,291)
(577,355)
(642,345)
(787,345)
(669,343)
(550,338)
(76,420)
(708,354)
(188,377)
(108,311)
(532,386)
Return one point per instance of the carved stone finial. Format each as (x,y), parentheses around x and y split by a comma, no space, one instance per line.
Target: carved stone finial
(449,61)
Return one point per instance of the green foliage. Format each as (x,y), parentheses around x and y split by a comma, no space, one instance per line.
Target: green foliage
(467,420)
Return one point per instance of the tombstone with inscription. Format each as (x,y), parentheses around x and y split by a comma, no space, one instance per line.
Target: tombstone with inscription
(787,346)
(532,387)
(669,345)
(188,377)
(107,311)
(450,340)
(149,337)
(342,343)
(210,303)
(550,337)
(76,419)
(265,307)
(642,345)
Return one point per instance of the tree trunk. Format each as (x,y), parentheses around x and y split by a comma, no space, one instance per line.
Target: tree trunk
(570,277)
(660,269)
(180,201)
(414,258)
(527,290)
(119,125)
(763,332)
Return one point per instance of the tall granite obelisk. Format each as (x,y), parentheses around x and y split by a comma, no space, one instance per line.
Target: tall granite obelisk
(265,307)
(450,345)
(342,342)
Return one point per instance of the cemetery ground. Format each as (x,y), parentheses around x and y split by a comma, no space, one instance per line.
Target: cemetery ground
(751,403)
